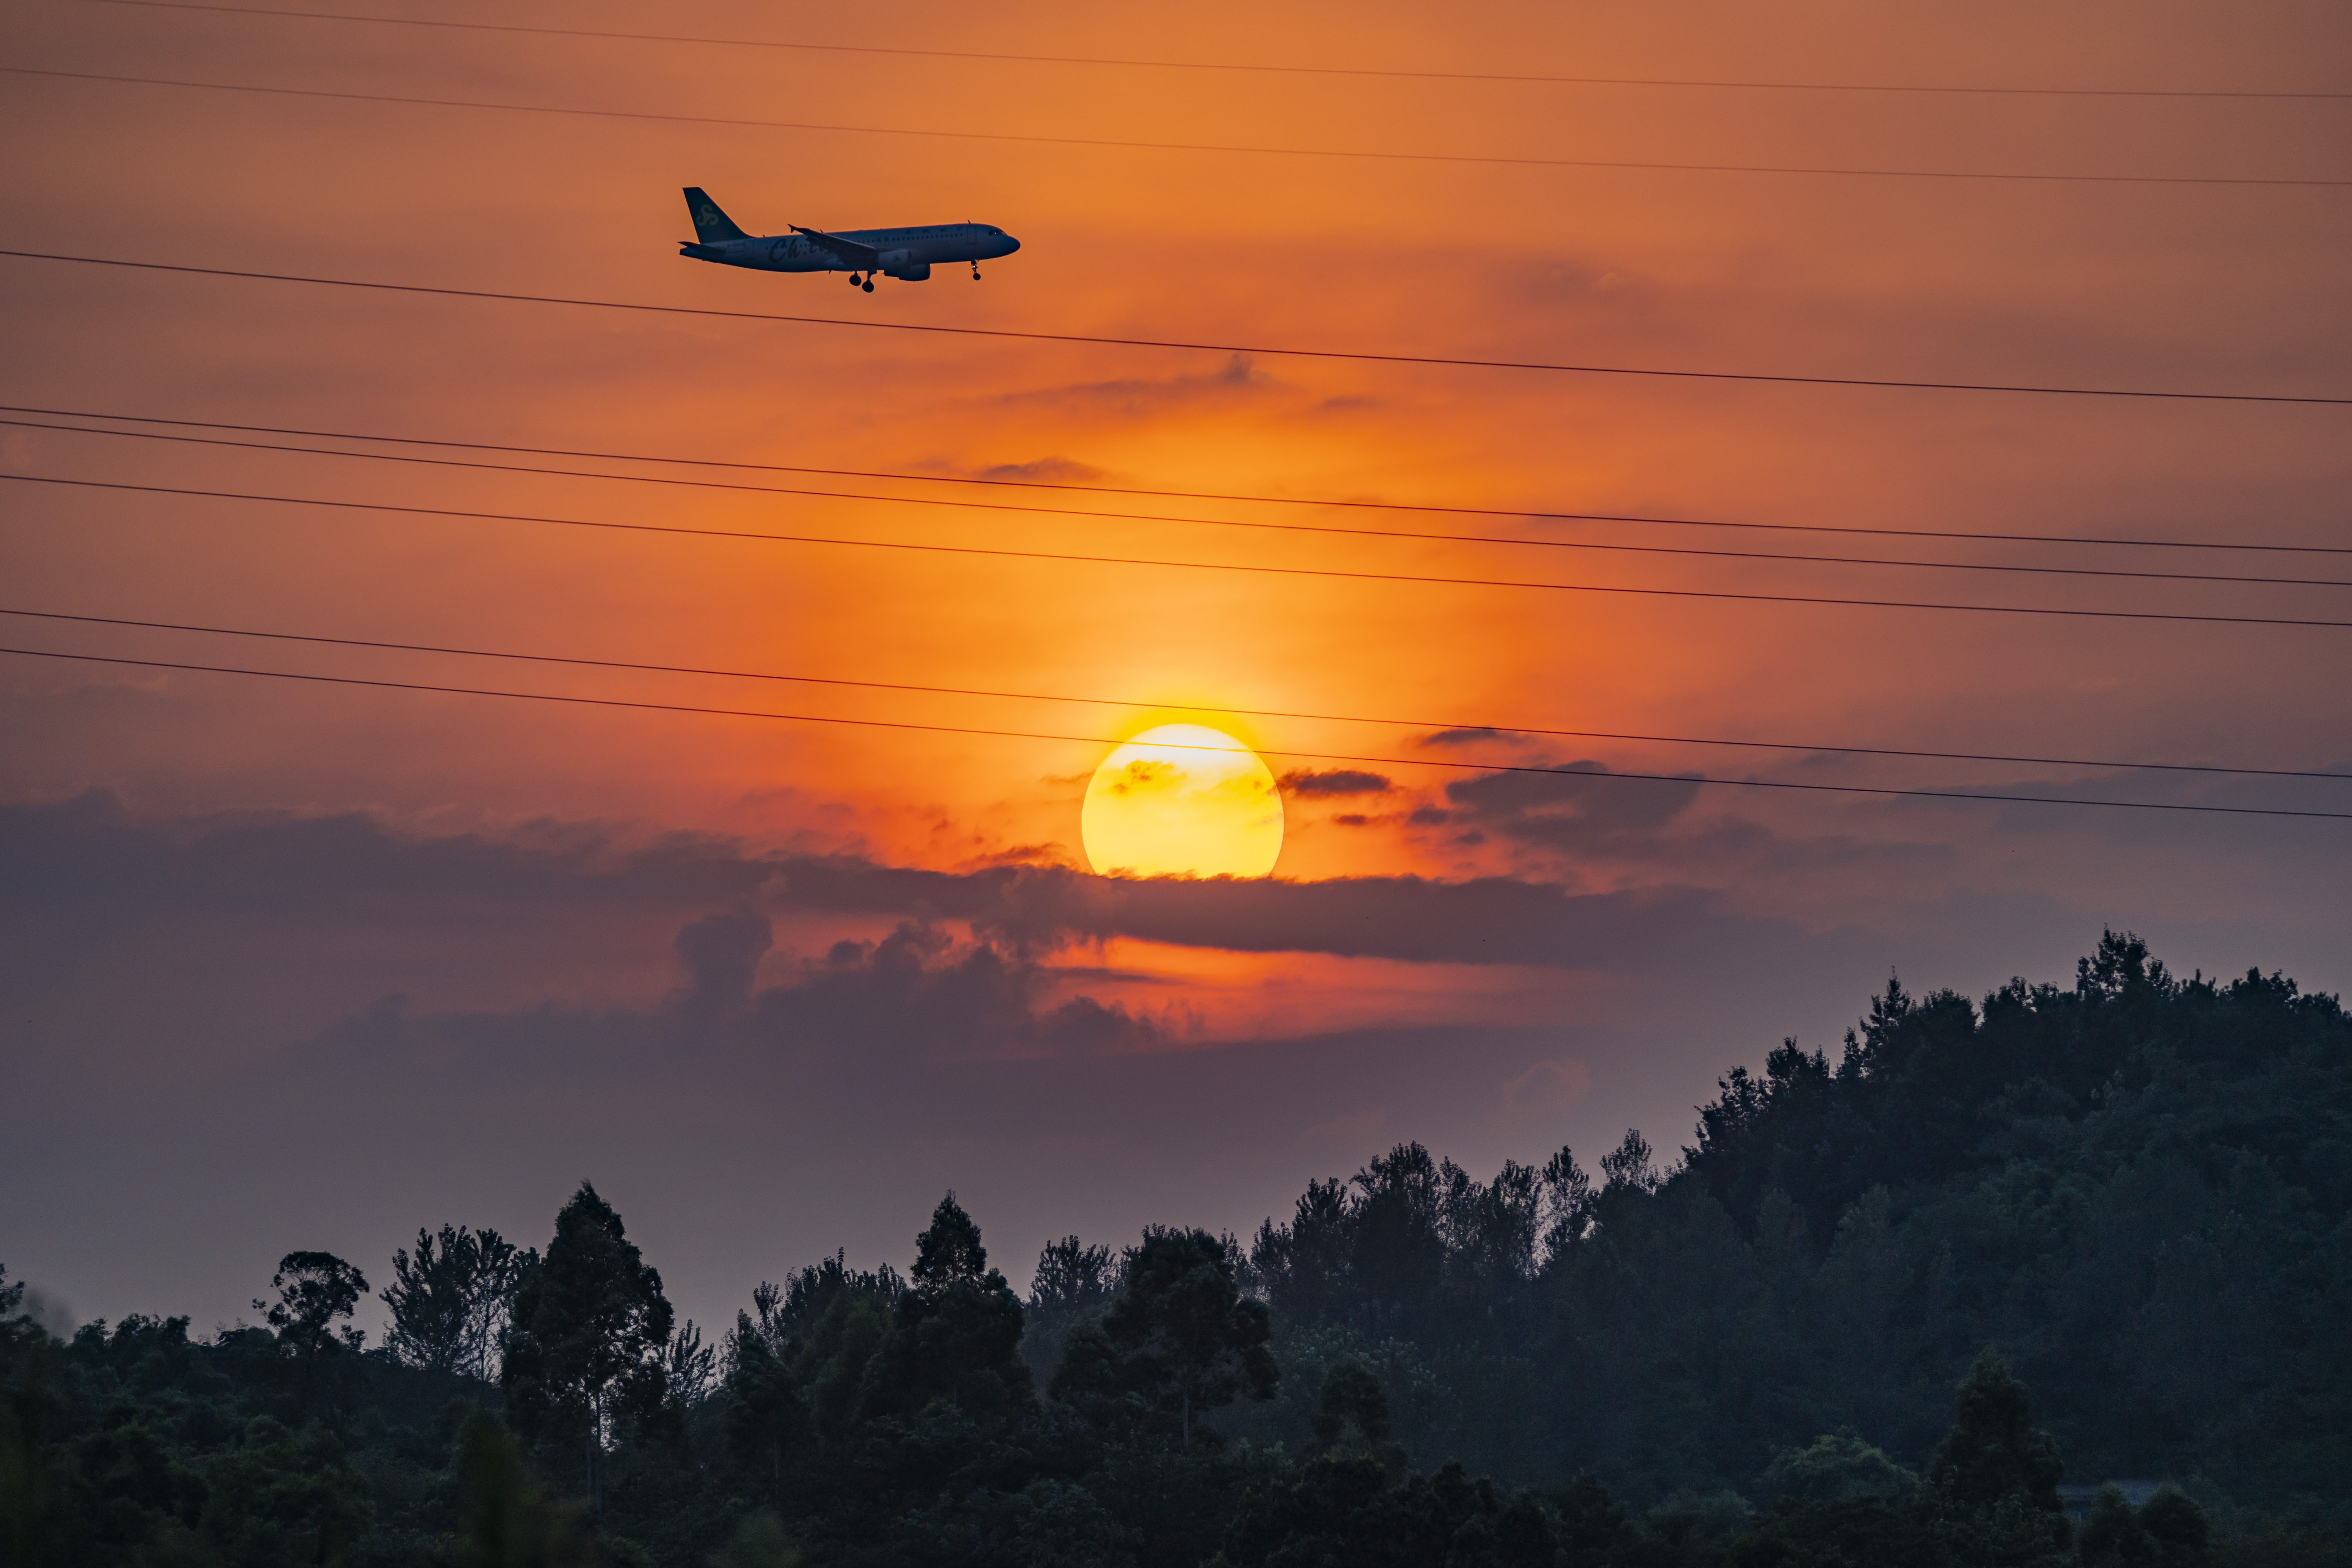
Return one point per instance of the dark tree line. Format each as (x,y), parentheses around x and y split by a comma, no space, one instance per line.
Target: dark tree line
(1772,1352)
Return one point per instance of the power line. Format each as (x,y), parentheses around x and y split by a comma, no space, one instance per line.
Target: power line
(1409,534)
(1233,66)
(1693,780)
(1440,725)
(1353,356)
(1004,136)
(1000,553)
(1529,514)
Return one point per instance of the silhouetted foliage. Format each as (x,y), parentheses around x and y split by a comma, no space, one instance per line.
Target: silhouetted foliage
(1994,1456)
(1073,1280)
(451,1304)
(955,1332)
(504,1520)
(1178,1339)
(1351,1398)
(590,1323)
(314,1290)
(1771,1352)
(1837,1466)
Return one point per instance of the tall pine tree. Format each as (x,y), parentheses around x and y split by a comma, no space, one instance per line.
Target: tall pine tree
(588,1326)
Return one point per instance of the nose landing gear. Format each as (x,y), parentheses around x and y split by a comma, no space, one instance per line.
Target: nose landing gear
(975,271)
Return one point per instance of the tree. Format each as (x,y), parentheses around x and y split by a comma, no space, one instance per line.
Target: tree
(314,1289)
(1994,1454)
(503,1521)
(2176,1527)
(2168,1531)
(452,1303)
(689,1366)
(1838,1466)
(1352,1396)
(1179,1337)
(760,1541)
(32,1414)
(1567,1205)
(282,1497)
(1630,1165)
(1072,1280)
(762,1412)
(955,1331)
(1072,1277)
(588,1327)
(949,1250)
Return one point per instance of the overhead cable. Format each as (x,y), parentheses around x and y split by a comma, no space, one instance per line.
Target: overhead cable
(1535,514)
(1008,333)
(1582,772)
(999,552)
(1484,729)
(1231,65)
(1006,136)
(953,503)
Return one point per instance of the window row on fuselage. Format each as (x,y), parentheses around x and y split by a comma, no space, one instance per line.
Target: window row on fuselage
(879,237)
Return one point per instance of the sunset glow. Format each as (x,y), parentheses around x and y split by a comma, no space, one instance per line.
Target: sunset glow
(1478,567)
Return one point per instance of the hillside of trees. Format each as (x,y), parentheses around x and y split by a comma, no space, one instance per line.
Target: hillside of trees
(1880,1311)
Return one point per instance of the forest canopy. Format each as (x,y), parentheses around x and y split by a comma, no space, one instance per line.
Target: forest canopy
(1912,1304)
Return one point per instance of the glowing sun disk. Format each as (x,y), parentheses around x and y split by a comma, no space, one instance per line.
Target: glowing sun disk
(1182,800)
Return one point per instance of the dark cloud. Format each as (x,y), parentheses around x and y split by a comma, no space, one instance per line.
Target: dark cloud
(1489,919)
(918,996)
(1334,782)
(164,946)
(91,854)
(1473,735)
(722,952)
(858,1022)
(83,875)
(1239,377)
(1052,470)
(1568,281)
(1583,807)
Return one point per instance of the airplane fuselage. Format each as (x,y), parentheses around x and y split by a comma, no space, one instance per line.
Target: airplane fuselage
(904,253)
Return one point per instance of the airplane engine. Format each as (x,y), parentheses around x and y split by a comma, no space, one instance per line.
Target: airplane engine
(913,271)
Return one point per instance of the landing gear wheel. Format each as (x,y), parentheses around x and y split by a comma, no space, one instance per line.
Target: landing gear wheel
(868,285)
(856,281)
(975,274)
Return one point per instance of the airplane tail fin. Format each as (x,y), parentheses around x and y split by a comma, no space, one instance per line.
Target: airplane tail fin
(711,225)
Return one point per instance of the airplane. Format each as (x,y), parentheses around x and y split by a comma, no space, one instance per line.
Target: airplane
(907,254)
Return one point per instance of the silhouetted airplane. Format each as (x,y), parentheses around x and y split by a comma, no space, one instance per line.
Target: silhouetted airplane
(903,253)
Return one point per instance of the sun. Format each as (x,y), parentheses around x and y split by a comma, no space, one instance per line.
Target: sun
(1182,800)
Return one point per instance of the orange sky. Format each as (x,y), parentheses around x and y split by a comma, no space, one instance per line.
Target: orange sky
(2172,286)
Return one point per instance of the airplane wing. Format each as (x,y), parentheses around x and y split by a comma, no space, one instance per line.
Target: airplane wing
(851,253)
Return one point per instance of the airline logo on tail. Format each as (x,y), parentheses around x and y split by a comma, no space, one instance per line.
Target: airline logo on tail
(711,225)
